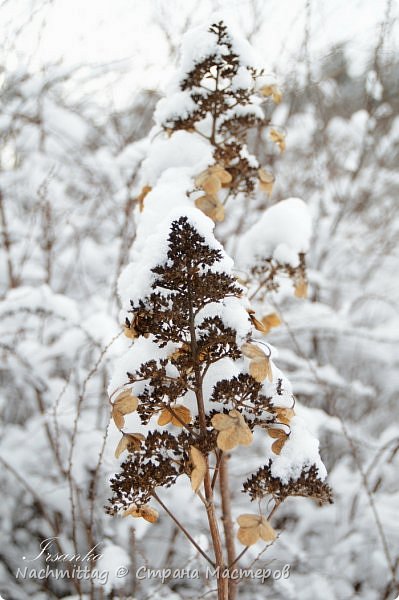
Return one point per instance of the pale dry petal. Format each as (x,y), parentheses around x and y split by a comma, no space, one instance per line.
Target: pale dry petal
(222,421)
(211,207)
(276,433)
(249,520)
(199,471)
(122,446)
(278,137)
(149,514)
(271,320)
(248,536)
(165,417)
(228,439)
(301,289)
(181,415)
(266,531)
(245,437)
(126,403)
(278,445)
(211,185)
(260,369)
(252,351)
(118,418)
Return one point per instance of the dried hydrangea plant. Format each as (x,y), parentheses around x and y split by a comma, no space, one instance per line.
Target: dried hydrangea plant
(198,382)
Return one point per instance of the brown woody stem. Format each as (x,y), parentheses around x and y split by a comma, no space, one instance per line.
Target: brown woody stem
(222,582)
(182,528)
(227,518)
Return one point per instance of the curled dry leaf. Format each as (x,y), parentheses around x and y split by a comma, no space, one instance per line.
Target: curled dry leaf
(254,527)
(278,137)
(271,320)
(284,415)
(277,446)
(199,470)
(140,198)
(233,430)
(275,432)
(255,322)
(259,366)
(145,512)
(180,416)
(129,441)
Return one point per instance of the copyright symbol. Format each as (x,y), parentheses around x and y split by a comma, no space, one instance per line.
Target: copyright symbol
(121,572)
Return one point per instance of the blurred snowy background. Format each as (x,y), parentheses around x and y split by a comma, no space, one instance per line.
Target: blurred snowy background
(79,83)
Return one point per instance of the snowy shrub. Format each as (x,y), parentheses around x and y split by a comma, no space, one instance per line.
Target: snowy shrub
(198,383)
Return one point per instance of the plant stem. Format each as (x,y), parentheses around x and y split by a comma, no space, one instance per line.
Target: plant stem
(222,582)
(182,528)
(227,518)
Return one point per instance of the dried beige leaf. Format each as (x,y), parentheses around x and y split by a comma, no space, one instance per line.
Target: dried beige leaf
(260,369)
(266,181)
(178,415)
(284,415)
(149,514)
(233,430)
(256,323)
(278,445)
(140,198)
(165,417)
(272,90)
(274,432)
(130,332)
(129,441)
(224,176)
(278,137)
(121,447)
(181,416)
(126,403)
(118,418)
(301,288)
(199,470)
(266,176)
(252,350)
(266,531)
(211,207)
(146,512)
(266,187)
(248,536)
(253,527)
(245,436)
(271,320)
(211,185)
(248,520)
(228,439)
